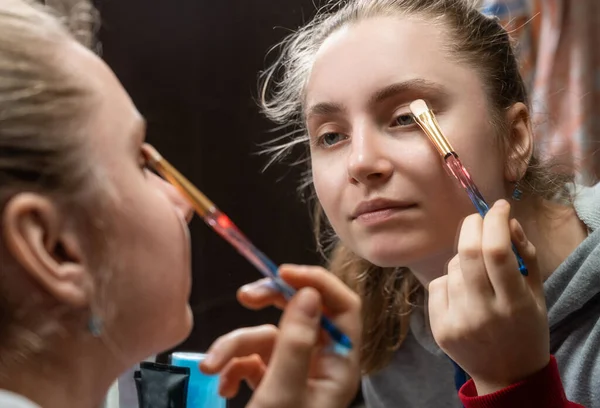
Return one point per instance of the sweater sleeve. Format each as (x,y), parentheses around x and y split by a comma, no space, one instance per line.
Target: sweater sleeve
(542,390)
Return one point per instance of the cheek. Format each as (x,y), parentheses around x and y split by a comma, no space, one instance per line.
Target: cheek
(483,160)
(419,169)
(175,198)
(329,177)
(151,243)
(471,133)
(417,158)
(151,283)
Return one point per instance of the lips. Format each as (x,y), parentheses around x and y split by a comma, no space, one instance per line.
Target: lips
(379,206)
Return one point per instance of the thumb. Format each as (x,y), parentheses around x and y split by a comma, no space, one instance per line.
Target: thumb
(285,382)
(528,253)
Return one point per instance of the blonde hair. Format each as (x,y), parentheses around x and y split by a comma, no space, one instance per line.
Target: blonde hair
(474,39)
(79,17)
(41,148)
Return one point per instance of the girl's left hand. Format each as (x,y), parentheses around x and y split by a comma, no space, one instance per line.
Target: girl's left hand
(484,314)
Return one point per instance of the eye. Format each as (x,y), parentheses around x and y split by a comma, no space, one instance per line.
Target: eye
(143,164)
(330,139)
(405,119)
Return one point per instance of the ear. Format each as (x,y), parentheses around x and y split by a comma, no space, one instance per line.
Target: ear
(519,148)
(36,237)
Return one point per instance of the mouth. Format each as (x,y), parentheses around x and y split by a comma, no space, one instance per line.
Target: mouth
(378,210)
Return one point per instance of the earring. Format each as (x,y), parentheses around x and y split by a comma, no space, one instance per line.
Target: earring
(517,193)
(94,326)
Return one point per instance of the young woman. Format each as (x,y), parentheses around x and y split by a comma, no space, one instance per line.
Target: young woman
(439,283)
(94,249)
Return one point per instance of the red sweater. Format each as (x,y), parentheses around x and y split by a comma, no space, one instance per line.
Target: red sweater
(542,390)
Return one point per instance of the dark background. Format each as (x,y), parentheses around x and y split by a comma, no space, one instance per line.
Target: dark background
(191,68)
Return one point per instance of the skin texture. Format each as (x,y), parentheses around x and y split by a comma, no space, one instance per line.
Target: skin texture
(378,150)
(365,147)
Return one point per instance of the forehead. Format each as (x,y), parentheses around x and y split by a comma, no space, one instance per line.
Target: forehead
(113,118)
(369,55)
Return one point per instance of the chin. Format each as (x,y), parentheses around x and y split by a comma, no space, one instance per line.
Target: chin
(187,325)
(388,255)
(389,260)
(178,330)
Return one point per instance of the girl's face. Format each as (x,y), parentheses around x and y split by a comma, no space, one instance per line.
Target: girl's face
(149,279)
(378,178)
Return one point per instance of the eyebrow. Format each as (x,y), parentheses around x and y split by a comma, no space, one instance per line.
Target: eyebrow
(413,86)
(417,86)
(325,109)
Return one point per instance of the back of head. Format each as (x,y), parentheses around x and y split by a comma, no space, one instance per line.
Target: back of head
(38,101)
(40,145)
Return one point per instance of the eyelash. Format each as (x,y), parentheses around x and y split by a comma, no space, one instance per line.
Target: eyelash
(403,115)
(143,165)
(320,142)
(321,139)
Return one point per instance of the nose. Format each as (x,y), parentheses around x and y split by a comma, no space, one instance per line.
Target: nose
(369,162)
(180,203)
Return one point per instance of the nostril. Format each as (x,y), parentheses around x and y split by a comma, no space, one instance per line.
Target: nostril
(375,177)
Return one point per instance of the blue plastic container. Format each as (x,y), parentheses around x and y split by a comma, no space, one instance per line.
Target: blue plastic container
(203,390)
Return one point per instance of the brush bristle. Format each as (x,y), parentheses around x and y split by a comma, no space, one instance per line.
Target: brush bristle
(418,107)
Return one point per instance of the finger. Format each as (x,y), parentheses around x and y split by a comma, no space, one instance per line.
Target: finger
(471,260)
(527,251)
(336,296)
(438,302)
(500,261)
(260,294)
(250,369)
(240,343)
(455,284)
(289,367)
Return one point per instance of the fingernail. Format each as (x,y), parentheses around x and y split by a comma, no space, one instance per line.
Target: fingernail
(288,265)
(308,302)
(260,288)
(501,203)
(519,233)
(209,360)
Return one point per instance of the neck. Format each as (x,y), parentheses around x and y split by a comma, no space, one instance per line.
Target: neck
(433,267)
(75,375)
(554,230)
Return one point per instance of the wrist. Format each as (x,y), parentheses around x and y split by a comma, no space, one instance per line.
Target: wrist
(487,387)
(490,386)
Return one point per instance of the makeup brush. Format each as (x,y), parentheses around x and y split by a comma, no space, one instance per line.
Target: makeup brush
(221,223)
(428,123)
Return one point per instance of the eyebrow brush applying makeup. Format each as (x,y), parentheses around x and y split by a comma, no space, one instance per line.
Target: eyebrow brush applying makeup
(428,123)
(221,223)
